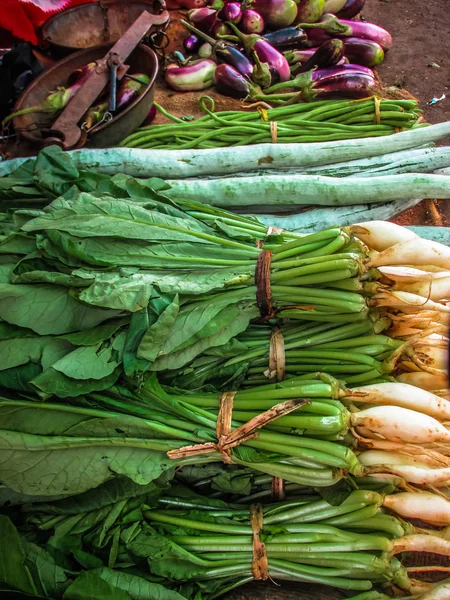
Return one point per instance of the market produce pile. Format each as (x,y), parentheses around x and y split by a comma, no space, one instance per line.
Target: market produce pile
(279,50)
(163,360)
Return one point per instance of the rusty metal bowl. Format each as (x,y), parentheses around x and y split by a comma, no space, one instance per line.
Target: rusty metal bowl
(142,60)
(94,24)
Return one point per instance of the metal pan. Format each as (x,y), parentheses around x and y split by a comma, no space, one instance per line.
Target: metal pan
(142,60)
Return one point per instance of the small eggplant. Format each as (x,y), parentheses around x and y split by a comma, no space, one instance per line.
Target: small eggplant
(350,9)
(252,22)
(225,52)
(230,82)
(327,55)
(363,52)
(203,18)
(150,117)
(309,11)
(129,90)
(333,6)
(234,57)
(317,37)
(288,38)
(294,57)
(59,98)
(231,12)
(192,43)
(325,73)
(194,76)
(220,30)
(205,50)
(276,13)
(345,85)
(266,53)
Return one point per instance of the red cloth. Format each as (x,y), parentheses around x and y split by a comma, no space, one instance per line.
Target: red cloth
(23,19)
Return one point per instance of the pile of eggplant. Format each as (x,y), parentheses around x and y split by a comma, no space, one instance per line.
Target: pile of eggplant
(263,49)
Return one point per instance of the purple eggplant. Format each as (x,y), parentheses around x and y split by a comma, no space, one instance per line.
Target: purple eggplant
(288,38)
(276,13)
(230,82)
(194,76)
(363,52)
(252,22)
(317,37)
(231,12)
(325,73)
(226,53)
(234,57)
(327,55)
(129,90)
(345,85)
(360,29)
(59,98)
(350,9)
(309,11)
(150,117)
(203,18)
(266,53)
(192,43)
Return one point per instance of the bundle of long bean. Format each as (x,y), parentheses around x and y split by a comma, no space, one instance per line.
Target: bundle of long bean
(310,122)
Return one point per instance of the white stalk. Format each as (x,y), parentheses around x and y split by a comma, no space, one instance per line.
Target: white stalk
(380,235)
(415,252)
(403,395)
(421,543)
(399,424)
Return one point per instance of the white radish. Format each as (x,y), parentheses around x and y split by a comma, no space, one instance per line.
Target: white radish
(440,591)
(379,235)
(404,395)
(432,356)
(421,543)
(410,469)
(436,288)
(425,381)
(415,252)
(420,505)
(406,300)
(400,424)
(410,274)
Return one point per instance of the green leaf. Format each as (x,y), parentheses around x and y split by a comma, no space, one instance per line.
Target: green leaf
(15,352)
(155,337)
(48,309)
(51,382)
(90,586)
(54,350)
(18,243)
(54,171)
(13,570)
(100,333)
(50,579)
(166,558)
(18,378)
(115,291)
(336,494)
(43,465)
(87,362)
(138,587)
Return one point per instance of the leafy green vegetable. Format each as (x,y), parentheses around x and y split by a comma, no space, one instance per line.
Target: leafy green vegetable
(13,569)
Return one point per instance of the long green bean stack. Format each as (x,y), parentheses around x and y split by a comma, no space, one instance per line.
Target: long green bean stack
(310,122)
